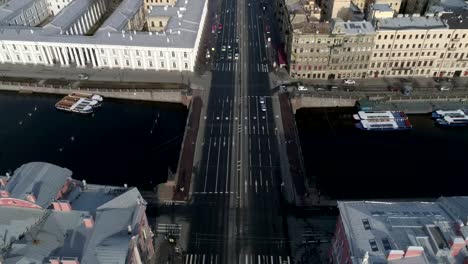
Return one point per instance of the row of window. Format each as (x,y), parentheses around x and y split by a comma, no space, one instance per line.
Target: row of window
(421,36)
(406,64)
(139,63)
(138,53)
(332,40)
(431,45)
(456,55)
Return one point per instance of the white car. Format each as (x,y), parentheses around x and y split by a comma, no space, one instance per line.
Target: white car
(83,76)
(349,82)
(444,88)
(302,88)
(262,99)
(263,108)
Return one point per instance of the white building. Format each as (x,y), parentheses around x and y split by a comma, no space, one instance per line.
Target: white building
(72,37)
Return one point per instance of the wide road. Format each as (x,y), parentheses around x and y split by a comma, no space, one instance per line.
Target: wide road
(237,209)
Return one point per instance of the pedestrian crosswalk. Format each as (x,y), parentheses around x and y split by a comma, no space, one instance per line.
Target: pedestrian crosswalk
(234,66)
(244,259)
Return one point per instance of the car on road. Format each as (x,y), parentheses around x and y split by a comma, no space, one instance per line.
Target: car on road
(262,99)
(83,76)
(263,107)
(302,88)
(229,56)
(223,48)
(236,56)
(320,88)
(349,82)
(444,88)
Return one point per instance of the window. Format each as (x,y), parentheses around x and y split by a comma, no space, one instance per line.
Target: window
(174,65)
(137,53)
(150,63)
(149,53)
(152,24)
(139,63)
(186,65)
(104,61)
(162,64)
(116,62)
(127,62)
(161,54)
(173,54)
(185,54)
(160,24)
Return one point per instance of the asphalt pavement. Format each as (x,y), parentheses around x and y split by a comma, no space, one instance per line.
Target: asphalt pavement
(236,198)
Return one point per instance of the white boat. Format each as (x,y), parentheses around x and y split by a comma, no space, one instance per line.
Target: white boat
(453,121)
(441,113)
(388,124)
(367,115)
(77,104)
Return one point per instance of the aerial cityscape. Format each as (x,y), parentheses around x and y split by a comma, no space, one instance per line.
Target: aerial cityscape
(233,131)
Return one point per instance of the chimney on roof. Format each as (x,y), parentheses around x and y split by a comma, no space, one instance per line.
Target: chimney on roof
(131,37)
(414,251)
(395,254)
(32,31)
(129,229)
(178,32)
(165,8)
(167,39)
(31,198)
(456,246)
(4,194)
(88,221)
(54,260)
(150,33)
(3,182)
(70,260)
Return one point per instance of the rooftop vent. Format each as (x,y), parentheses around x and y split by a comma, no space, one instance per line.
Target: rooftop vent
(167,39)
(32,31)
(150,33)
(31,198)
(54,260)
(165,8)
(129,229)
(131,37)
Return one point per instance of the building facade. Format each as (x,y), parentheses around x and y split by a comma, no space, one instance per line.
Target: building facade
(73,39)
(340,50)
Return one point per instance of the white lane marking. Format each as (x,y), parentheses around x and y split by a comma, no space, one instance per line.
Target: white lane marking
(256,189)
(261,178)
(207,165)
(217,168)
(267,189)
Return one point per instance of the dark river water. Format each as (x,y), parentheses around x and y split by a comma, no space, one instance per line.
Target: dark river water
(123,142)
(428,161)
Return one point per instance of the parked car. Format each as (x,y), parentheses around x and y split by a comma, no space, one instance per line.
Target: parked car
(302,88)
(319,88)
(262,99)
(349,82)
(444,88)
(263,107)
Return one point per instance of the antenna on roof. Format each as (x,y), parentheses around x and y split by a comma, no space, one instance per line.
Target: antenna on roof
(84,183)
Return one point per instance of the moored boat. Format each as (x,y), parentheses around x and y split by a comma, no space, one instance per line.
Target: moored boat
(453,113)
(452,121)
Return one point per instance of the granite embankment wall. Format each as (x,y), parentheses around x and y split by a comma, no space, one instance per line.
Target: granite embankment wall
(157,95)
(318,101)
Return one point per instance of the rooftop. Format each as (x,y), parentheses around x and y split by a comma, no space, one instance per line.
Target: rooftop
(99,228)
(411,22)
(352,27)
(382,7)
(306,27)
(456,20)
(68,15)
(12,7)
(383,228)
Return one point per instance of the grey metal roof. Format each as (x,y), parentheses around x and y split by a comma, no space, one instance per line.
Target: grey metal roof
(352,27)
(411,22)
(402,224)
(382,7)
(68,15)
(120,17)
(13,7)
(181,35)
(44,180)
(14,221)
(456,20)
